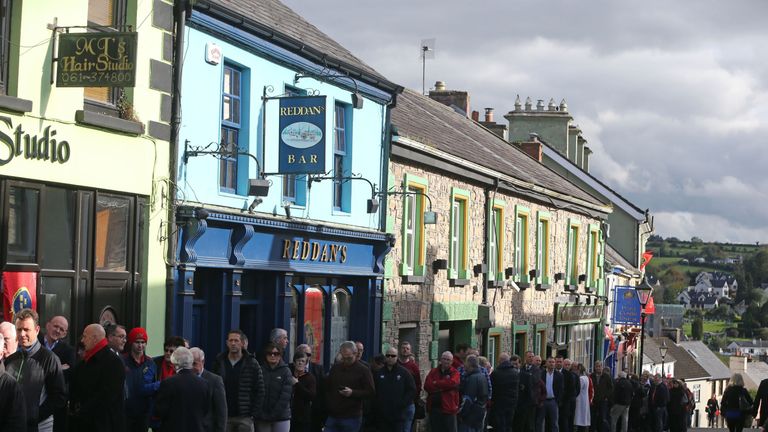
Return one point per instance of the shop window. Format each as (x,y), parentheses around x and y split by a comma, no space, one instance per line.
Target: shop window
(23,213)
(542,247)
(5,43)
(572,256)
(581,347)
(55,297)
(412,263)
(314,322)
(342,146)
(231,126)
(457,255)
(496,242)
(340,308)
(108,15)
(112,230)
(57,231)
(521,244)
(295,185)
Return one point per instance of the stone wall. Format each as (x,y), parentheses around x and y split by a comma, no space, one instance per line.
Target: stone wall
(416,302)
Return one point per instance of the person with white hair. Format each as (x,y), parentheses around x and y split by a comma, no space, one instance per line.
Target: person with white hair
(216,420)
(11,398)
(183,400)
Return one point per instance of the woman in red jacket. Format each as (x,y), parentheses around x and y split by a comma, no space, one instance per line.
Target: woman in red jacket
(442,387)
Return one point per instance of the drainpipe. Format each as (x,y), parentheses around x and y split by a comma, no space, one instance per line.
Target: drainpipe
(180,10)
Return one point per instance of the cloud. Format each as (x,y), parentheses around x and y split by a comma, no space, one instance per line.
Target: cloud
(685,225)
(671,96)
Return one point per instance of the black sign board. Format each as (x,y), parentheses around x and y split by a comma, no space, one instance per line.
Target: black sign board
(578,313)
(105,59)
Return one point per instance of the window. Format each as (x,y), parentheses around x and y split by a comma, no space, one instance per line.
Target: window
(542,247)
(413,226)
(341,157)
(593,262)
(23,213)
(112,230)
(457,261)
(572,258)
(521,244)
(496,242)
(109,15)
(230,128)
(295,186)
(581,347)
(340,308)
(5,43)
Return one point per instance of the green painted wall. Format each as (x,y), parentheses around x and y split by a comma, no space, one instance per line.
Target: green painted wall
(552,128)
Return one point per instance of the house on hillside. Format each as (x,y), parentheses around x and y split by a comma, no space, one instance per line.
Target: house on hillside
(704,301)
(684,299)
(753,348)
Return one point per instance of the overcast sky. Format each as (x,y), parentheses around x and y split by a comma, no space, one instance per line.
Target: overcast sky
(672,96)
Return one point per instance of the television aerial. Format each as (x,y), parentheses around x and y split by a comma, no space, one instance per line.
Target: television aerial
(426,51)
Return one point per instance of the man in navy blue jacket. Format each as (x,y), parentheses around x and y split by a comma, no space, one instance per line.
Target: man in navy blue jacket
(553,382)
(141,384)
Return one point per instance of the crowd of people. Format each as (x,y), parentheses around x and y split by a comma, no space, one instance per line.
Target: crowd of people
(108,383)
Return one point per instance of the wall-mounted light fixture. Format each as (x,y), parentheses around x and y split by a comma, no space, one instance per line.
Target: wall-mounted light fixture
(430,217)
(533,274)
(439,264)
(357,98)
(479,269)
(509,272)
(582,278)
(256,187)
(559,277)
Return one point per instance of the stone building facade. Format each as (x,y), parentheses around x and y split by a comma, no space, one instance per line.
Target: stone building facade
(503,297)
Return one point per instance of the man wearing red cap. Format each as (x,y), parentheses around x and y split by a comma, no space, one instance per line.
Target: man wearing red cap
(140,383)
(97,386)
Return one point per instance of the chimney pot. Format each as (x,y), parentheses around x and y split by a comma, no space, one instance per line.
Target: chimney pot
(528,103)
(440,85)
(518,105)
(563,106)
(552,106)
(540,105)
(489,115)
(475,116)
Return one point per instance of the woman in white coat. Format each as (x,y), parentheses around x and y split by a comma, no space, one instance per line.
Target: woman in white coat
(582,418)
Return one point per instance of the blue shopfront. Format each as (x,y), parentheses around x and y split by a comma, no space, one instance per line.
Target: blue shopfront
(321,283)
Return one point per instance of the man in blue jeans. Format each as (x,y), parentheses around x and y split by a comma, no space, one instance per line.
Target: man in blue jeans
(348,383)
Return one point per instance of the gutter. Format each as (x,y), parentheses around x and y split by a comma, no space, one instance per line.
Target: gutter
(515,182)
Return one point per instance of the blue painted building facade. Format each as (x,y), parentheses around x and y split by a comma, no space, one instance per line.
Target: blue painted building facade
(307,254)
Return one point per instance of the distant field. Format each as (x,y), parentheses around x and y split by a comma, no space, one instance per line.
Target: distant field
(709,327)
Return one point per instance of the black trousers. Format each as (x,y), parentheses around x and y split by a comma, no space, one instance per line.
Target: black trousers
(442,422)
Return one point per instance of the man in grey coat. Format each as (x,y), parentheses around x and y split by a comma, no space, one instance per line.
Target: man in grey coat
(216,420)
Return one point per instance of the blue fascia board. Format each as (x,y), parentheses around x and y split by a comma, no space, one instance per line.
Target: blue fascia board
(263,48)
(594,184)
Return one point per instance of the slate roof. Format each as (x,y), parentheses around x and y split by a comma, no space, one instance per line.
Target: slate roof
(707,359)
(686,367)
(651,351)
(752,344)
(718,283)
(274,20)
(431,123)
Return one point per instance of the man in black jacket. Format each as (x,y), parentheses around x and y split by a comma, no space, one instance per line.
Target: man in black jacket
(97,386)
(216,420)
(506,380)
(183,400)
(761,403)
(571,387)
(659,398)
(622,398)
(243,382)
(603,397)
(38,371)
(12,407)
(55,331)
(395,390)
(526,405)
(318,404)
(553,383)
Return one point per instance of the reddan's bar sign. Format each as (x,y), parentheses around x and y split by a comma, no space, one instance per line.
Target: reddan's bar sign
(314,251)
(42,146)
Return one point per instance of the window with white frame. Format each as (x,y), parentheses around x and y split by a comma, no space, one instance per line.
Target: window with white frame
(230,128)
(341,151)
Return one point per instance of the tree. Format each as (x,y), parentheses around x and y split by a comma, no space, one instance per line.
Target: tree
(674,279)
(750,320)
(695,239)
(697,329)
(668,296)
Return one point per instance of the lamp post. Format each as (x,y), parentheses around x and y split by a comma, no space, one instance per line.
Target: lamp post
(663,351)
(643,294)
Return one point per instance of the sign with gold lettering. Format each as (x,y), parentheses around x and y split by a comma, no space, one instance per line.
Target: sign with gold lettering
(302,135)
(97,59)
(304,250)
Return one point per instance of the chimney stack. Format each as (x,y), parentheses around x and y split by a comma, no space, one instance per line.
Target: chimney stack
(475,116)
(456,99)
(532,148)
(489,115)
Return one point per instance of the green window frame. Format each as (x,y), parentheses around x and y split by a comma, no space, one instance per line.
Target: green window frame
(543,236)
(572,257)
(593,257)
(413,241)
(496,240)
(458,259)
(522,251)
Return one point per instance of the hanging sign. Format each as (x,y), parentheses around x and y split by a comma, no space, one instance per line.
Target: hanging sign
(626,309)
(97,59)
(302,135)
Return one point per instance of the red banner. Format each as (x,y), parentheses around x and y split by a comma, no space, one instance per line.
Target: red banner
(19,292)
(647,255)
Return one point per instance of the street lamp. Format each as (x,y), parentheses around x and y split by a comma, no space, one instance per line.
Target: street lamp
(643,294)
(663,351)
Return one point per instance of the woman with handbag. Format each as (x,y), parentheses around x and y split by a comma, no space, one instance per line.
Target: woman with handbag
(736,404)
